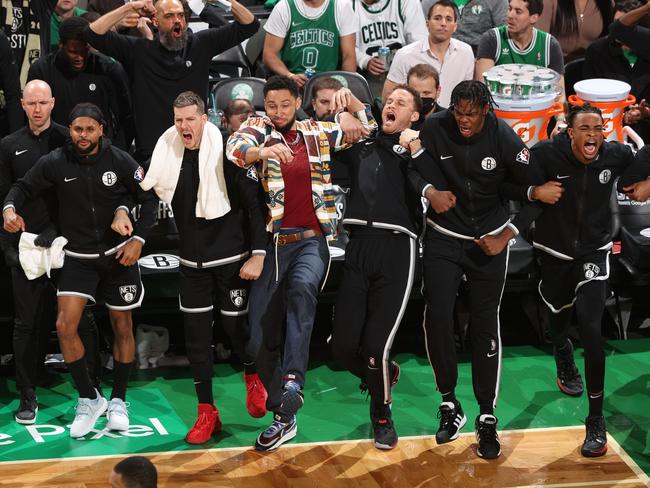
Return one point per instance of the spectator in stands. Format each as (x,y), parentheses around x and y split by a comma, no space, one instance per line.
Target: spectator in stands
(385,23)
(575,23)
(134,472)
(65,9)
(321,100)
(27,26)
(475,18)
(131,25)
(424,79)
(236,113)
(12,115)
(80,75)
(452,59)
(611,58)
(316,34)
(176,60)
(302,218)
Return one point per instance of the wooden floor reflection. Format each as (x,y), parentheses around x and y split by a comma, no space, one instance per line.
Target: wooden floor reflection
(536,457)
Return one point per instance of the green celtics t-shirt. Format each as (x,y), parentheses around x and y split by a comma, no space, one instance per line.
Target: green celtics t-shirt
(537,53)
(311,43)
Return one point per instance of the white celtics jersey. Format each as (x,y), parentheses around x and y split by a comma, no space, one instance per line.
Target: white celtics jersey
(390,23)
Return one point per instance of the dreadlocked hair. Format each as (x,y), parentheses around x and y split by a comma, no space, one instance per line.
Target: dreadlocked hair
(585,108)
(475,92)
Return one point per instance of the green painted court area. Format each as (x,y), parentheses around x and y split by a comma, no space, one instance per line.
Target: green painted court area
(163,406)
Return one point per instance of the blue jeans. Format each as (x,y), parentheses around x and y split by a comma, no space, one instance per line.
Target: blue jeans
(281,313)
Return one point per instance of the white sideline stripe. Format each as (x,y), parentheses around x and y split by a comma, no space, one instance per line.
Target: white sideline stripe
(643,478)
(586,483)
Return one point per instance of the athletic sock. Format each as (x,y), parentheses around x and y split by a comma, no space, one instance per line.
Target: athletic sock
(595,404)
(250,368)
(120,379)
(450,397)
(202,373)
(486,409)
(79,372)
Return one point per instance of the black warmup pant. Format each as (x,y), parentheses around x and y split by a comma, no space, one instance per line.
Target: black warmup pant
(199,290)
(446,260)
(372,298)
(580,283)
(35,316)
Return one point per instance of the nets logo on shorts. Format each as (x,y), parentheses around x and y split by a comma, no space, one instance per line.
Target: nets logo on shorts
(109,178)
(128,292)
(591,270)
(238,297)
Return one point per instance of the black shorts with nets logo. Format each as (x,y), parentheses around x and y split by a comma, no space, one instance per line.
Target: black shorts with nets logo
(102,279)
(201,289)
(560,279)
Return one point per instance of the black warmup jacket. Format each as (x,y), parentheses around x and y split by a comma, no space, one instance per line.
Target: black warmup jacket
(381,193)
(89,189)
(102,82)
(474,170)
(158,75)
(207,243)
(581,221)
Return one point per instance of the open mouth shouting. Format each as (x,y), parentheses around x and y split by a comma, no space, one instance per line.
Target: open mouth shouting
(177,31)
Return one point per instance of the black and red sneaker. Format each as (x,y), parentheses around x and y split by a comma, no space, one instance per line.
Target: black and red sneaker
(569,380)
(383,427)
(595,444)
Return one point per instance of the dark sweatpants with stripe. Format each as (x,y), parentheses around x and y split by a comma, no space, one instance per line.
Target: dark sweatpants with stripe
(446,260)
(372,298)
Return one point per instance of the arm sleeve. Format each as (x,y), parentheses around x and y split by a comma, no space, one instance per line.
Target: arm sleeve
(10,85)
(213,16)
(346,19)
(335,134)
(122,104)
(279,20)
(415,26)
(636,37)
(556,58)
(637,167)
(40,177)
(487,46)
(220,39)
(6,174)
(250,134)
(252,198)
(536,176)
(115,45)
(420,164)
(132,175)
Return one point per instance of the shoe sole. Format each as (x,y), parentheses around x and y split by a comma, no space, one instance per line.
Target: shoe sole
(478,451)
(568,392)
(285,438)
(455,436)
(385,447)
(97,415)
(593,454)
(110,426)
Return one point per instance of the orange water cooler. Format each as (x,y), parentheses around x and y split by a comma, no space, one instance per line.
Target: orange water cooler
(528,118)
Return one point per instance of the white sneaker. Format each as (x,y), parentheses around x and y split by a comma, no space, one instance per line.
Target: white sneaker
(87,413)
(117,415)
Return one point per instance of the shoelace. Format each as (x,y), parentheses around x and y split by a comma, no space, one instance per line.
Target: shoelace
(253,385)
(487,432)
(82,408)
(568,370)
(274,428)
(121,408)
(595,430)
(446,416)
(202,420)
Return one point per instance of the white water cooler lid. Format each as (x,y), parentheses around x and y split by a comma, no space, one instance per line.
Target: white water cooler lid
(602,90)
(532,104)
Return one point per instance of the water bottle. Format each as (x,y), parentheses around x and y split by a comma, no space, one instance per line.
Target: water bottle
(382,54)
(214,116)
(309,72)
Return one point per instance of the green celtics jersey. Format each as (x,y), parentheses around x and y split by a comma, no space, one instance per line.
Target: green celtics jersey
(537,53)
(312,43)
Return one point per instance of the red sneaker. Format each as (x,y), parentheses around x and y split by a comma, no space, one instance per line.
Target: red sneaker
(255,396)
(207,424)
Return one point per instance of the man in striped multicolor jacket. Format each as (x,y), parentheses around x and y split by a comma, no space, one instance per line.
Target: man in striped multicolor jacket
(292,158)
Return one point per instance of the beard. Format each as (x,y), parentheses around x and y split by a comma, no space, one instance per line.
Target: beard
(170,43)
(286,127)
(85,151)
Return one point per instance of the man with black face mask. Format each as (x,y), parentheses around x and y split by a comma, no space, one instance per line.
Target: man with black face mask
(424,79)
(382,217)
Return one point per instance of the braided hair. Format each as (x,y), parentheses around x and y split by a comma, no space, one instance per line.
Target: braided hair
(475,92)
(585,108)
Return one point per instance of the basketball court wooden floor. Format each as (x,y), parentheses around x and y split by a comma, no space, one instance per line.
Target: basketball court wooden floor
(541,431)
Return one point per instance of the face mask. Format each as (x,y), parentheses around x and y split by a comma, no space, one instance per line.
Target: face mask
(427,105)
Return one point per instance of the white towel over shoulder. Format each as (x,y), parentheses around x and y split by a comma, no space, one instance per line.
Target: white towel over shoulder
(212,200)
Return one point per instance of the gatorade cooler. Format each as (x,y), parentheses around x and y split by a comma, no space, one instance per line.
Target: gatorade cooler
(528,118)
(611,97)
(524,97)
